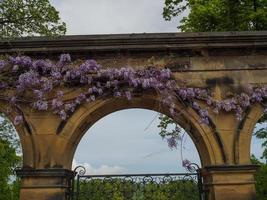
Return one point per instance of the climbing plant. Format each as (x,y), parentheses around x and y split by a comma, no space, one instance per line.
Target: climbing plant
(41,83)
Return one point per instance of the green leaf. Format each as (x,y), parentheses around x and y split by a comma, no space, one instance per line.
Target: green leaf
(29,17)
(218,15)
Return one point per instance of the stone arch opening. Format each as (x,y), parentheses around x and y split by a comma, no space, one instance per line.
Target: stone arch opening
(128,141)
(203,136)
(25,141)
(14,134)
(11,157)
(10,133)
(256,147)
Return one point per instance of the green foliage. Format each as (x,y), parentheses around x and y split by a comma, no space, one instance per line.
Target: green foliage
(166,127)
(8,133)
(218,15)
(29,17)
(262,134)
(8,162)
(261,179)
(117,189)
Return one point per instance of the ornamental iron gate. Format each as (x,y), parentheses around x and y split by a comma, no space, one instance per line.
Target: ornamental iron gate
(175,186)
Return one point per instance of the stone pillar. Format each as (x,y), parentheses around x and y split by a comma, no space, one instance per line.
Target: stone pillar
(45,184)
(230,182)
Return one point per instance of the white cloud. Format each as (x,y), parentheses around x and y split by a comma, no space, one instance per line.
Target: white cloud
(103,169)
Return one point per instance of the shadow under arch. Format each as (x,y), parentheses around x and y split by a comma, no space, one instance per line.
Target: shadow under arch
(86,115)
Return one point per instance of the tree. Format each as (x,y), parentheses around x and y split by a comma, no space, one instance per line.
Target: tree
(261,179)
(120,189)
(29,17)
(218,15)
(262,134)
(9,161)
(8,133)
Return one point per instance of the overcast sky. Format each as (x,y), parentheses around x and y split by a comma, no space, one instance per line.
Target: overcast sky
(113,16)
(122,142)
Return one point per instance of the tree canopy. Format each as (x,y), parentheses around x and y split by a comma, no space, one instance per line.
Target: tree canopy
(29,17)
(261,133)
(8,133)
(9,161)
(218,15)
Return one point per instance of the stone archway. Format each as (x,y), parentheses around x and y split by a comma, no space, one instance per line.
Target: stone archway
(217,61)
(88,114)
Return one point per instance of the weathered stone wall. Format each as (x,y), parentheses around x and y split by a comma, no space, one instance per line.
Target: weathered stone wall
(224,62)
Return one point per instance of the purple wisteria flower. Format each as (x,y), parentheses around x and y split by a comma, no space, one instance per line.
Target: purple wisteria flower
(3,85)
(60,94)
(128,95)
(92,97)
(56,75)
(64,58)
(196,106)
(79,99)
(27,79)
(244,100)
(89,66)
(172,143)
(190,93)
(38,93)
(57,104)
(40,105)
(203,113)
(21,61)
(42,66)
(182,93)
(44,78)
(257,95)
(165,74)
(134,82)
(70,107)
(63,115)
(13,100)
(186,163)
(117,94)
(2,64)
(18,120)
(47,85)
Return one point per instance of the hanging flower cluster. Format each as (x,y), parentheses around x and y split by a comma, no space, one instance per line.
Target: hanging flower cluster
(42,77)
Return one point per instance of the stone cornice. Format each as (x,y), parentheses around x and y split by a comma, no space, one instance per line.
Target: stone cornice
(152,42)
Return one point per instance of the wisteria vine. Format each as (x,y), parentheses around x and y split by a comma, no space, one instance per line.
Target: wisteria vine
(43,77)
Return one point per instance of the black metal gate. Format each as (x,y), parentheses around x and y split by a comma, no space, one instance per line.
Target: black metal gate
(175,186)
